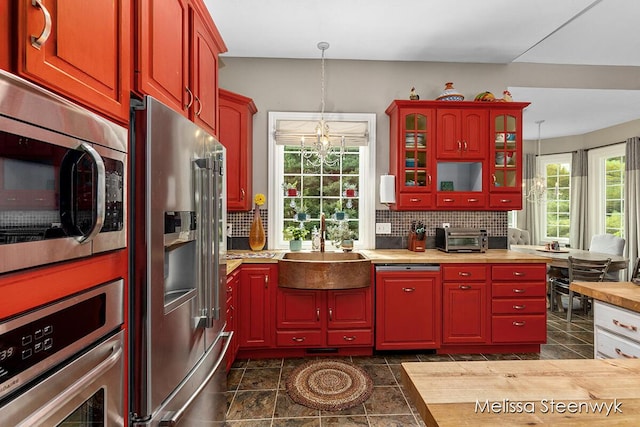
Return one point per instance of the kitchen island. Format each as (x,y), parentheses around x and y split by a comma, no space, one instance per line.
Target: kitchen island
(525,392)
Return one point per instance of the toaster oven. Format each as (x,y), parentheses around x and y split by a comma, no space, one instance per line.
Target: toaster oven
(462,239)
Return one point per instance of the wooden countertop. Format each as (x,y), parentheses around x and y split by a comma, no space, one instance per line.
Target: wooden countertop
(622,294)
(548,392)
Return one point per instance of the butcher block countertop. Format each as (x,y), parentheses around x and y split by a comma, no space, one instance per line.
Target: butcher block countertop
(526,392)
(622,294)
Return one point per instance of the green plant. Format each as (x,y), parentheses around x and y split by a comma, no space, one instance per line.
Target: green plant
(294,232)
(348,186)
(290,185)
(339,232)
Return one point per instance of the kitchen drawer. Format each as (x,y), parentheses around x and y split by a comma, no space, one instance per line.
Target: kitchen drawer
(612,346)
(518,290)
(450,199)
(519,306)
(299,338)
(414,200)
(464,272)
(617,319)
(529,328)
(519,272)
(355,337)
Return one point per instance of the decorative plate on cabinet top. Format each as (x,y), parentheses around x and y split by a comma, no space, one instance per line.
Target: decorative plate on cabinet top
(450,94)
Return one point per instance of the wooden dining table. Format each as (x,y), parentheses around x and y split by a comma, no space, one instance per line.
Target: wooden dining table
(560,258)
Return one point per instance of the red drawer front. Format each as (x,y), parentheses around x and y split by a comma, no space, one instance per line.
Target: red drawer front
(460,200)
(407,200)
(506,201)
(519,290)
(299,338)
(519,272)
(519,306)
(355,337)
(464,272)
(530,328)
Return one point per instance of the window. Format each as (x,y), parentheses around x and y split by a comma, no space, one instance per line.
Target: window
(321,188)
(556,208)
(606,190)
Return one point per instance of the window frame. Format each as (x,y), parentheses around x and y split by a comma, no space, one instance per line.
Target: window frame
(541,166)
(596,185)
(366,186)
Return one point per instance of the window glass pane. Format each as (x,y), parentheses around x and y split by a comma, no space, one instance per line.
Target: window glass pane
(557,206)
(614,195)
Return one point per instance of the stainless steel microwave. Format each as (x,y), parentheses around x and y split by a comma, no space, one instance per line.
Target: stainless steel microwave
(462,239)
(63,183)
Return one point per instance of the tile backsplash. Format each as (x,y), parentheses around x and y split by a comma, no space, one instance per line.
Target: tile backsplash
(494,222)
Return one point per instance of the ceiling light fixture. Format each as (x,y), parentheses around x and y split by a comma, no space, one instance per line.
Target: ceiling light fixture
(538,188)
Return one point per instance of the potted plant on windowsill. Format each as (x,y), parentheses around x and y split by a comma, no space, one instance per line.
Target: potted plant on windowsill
(295,234)
(301,213)
(290,189)
(341,236)
(339,214)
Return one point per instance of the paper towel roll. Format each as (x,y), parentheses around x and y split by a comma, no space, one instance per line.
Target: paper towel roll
(387,189)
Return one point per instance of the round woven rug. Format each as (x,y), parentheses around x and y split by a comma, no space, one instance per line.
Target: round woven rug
(331,385)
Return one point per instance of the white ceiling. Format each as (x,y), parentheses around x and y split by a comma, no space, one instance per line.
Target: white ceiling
(584,32)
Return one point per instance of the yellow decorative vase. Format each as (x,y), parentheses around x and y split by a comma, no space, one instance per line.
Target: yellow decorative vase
(257,238)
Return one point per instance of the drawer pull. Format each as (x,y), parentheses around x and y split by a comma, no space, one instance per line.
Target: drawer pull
(346,338)
(505,200)
(519,307)
(625,355)
(298,339)
(447,200)
(516,323)
(415,200)
(464,287)
(519,291)
(408,289)
(472,200)
(622,325)
(519,273)
(464,273)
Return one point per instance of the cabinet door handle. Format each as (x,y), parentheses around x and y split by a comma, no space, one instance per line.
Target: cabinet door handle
(266,281)
(190,103)
(331,314)
(429,179)
(447,200)
(466,146)
(318,314)
(519,307)
(519,273)
(300,339)
(415,200)
(464,273)
(199,106)
(459,146)
(408,289)
(519,291)
(622,325)
(242,193)
(464,287)
(472,200)
(521,323)
(351,338)
(623,354)
(493,177)
(37,42)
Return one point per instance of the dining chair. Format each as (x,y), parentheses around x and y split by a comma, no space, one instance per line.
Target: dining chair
(518,236)
(583,270)
(635,274)
(608,244)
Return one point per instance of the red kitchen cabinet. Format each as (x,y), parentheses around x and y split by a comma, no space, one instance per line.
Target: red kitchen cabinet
(462,133)
(465,311)
(236,134)
(519,310)
(233,280)
(408,310)
(80,50)
(256,292)
(177,58)
(319,318)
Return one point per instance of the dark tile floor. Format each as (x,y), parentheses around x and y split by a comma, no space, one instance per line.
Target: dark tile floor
(256,394)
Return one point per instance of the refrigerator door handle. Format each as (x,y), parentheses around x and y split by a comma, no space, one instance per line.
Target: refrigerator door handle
(173,418)
(205,167)
(217,173)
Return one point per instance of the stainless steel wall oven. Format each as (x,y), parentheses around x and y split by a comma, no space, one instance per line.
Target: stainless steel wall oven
(62,178)
(62,364)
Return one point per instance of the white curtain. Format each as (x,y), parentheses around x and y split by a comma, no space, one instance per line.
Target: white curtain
(632,199)
(578,233)
(531,218)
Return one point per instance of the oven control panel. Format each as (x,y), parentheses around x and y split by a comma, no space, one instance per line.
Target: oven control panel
(52,333)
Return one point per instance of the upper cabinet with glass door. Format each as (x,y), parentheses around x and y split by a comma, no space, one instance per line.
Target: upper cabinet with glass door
(411,154)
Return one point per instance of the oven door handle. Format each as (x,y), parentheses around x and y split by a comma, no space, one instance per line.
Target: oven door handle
(100,193)
(173,418)
(61,399)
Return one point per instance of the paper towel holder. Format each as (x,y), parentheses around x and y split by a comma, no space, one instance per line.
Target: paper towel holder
(387,189)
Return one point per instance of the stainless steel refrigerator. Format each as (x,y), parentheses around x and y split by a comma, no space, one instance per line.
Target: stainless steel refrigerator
(178,271)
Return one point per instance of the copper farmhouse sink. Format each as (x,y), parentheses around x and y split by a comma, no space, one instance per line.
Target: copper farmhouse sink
(324,270)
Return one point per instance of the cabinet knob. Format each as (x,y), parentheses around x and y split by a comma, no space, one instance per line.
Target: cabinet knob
(37,42)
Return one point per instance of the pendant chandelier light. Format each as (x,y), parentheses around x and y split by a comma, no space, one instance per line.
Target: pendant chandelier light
(538,188)
(321,149)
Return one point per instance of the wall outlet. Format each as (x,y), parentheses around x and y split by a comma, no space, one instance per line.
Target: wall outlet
(383,228)
(446,225)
